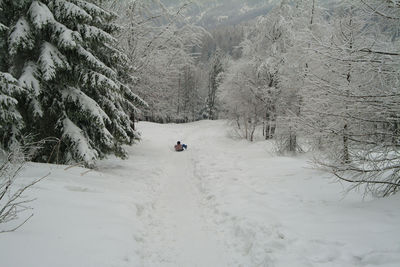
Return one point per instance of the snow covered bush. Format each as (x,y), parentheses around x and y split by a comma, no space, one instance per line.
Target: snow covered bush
(13,203)
(258,95)
(243,96)
(71,76)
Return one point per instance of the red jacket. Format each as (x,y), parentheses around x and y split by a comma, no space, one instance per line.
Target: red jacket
(178,147)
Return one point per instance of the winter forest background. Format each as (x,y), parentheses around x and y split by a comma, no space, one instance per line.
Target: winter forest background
(320,76)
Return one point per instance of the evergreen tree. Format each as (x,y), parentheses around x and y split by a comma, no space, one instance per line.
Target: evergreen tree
(10,118)
(214,80)
(64,57)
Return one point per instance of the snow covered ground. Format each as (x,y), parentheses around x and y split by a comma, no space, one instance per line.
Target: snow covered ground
(223,202)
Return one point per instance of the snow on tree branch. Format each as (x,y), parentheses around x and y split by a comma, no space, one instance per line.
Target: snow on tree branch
(86,104)
(40,15)
(94,10)
(81,148)
(20,37)
(93,33)
(65,10)
(28,78)
(95,62)
(51,60)
(66,38)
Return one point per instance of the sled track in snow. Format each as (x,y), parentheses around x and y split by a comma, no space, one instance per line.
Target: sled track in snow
(179,232)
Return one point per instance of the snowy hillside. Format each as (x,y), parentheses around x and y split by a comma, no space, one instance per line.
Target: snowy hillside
(223,202)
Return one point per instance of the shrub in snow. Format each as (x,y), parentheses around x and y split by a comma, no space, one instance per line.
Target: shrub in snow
(13,203)
(63,58)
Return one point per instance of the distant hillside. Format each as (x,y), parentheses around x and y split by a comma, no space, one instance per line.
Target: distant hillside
(213,13)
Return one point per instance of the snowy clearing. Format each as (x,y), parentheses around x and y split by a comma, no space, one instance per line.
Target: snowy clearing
(223,202)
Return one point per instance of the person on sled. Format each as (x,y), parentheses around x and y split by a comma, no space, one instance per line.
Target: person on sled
(180,147)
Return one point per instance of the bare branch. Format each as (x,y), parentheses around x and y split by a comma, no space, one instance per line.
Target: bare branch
(18,226)
(367,50)
(378,12)
(366,181)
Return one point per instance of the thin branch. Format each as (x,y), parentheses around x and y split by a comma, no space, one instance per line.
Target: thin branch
(378,12)
(17,227)
(74,165)
(366,181)
(367,50)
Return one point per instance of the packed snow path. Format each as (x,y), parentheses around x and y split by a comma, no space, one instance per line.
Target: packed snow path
(178,233)
(223,202)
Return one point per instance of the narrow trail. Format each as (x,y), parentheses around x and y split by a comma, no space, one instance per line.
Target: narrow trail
(178,232)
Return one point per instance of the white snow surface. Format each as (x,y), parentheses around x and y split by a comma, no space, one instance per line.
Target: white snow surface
(223,202)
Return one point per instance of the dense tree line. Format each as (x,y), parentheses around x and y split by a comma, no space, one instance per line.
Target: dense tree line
(313,76)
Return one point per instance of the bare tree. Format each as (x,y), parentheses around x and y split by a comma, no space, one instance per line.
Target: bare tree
(161,50)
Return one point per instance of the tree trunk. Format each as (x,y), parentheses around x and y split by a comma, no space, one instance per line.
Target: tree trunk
(253,129)
(133,121)
(246,126)
(292,140)
(346,155)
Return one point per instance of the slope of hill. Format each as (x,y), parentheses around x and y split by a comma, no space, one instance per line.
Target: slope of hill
(223,202)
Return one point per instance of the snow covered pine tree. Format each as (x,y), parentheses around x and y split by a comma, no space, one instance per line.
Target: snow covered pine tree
(10,118)
(72,76)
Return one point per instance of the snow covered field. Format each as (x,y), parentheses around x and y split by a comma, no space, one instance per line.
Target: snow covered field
(223,202)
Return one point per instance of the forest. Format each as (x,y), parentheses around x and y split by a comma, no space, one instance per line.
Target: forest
(76,75)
